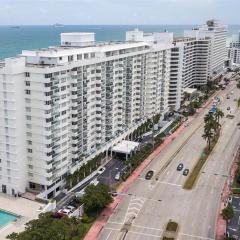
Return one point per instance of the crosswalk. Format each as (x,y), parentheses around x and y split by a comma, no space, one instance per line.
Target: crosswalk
(134,207)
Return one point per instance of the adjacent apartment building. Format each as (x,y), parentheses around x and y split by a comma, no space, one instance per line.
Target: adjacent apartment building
(217,32)
(234,51)
(61,106)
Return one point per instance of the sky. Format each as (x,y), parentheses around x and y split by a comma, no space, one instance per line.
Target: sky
(81,12)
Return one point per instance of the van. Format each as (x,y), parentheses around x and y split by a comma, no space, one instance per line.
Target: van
(117,176)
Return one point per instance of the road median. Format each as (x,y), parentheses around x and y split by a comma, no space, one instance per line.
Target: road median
(194,174)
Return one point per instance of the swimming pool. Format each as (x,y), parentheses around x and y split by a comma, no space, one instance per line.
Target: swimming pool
(6,217)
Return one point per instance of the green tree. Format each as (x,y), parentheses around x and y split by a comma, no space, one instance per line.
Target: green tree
(96,198)
(228,212)
(46,227)
(208,134)
(218,114)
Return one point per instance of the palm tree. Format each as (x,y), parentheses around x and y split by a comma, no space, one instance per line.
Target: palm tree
(208,134)
(218,114)
(238,103)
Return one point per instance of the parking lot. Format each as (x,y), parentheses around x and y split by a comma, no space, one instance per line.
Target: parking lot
(112,168)
(233,226)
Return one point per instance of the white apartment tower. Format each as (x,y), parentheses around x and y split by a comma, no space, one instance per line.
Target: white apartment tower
(176,83)
(61,105)
(196,60)
(217,32)
(234,51)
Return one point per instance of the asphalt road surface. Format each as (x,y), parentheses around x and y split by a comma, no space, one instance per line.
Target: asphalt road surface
(152,203)
(233,226)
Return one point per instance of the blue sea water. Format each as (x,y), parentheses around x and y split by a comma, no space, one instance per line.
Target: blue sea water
(6,218)
(14,40)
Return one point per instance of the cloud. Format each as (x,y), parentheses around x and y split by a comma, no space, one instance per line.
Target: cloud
(43,11)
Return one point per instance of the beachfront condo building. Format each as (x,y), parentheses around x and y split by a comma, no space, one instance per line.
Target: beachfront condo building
(60,106)
(234,51)
(217,32)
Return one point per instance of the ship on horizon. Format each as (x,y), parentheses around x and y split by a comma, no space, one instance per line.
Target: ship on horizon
(58,25)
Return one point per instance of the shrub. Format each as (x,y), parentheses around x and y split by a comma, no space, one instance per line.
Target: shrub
(227,212)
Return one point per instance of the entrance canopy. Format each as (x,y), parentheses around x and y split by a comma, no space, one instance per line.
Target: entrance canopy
(190,90)
(125,147)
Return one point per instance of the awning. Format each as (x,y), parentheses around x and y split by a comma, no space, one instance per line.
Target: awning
(190,90)
(125,147)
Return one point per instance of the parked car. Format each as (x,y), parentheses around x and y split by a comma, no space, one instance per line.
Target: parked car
(71,208)
(149,175)
(64,211)
(180,167)
(117,176)
(186,171)
(228,108)
(101,170)
(114,194)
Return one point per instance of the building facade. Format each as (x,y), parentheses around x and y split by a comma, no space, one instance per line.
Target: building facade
(234,51)
(217,32)
(61,105)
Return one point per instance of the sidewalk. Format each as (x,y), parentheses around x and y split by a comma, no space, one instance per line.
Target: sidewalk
(221,224)
(96,228)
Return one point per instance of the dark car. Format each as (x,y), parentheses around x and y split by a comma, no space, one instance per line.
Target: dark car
(180,167)
(149,175)
(228,108)
(185,172)
(114,194)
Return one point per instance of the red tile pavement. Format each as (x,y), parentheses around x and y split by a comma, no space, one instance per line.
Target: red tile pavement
(221,224)
(123,188)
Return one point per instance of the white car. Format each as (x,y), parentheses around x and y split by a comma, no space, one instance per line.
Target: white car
(101,170)
(71,208)
(65,211)
(117,176)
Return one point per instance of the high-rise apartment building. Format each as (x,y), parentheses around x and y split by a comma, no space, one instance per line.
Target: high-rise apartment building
(234,51)
(217,33)
(196,58)
(61,105)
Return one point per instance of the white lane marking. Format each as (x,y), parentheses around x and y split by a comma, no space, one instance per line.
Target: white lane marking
(109,235)
(145,234)
(134,207)
(139,226)
(112,229)
(116,222)
(194,236)
(171,184)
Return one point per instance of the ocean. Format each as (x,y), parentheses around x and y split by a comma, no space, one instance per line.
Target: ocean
(14,40)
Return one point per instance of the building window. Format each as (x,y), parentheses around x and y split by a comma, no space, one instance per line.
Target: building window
(29,150)
(28,91)
(27,74)
(49,75)
(27,83)
(79,57)
(60,58)
(70,58)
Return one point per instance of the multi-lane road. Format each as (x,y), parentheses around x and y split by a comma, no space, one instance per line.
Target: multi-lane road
(150,204)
